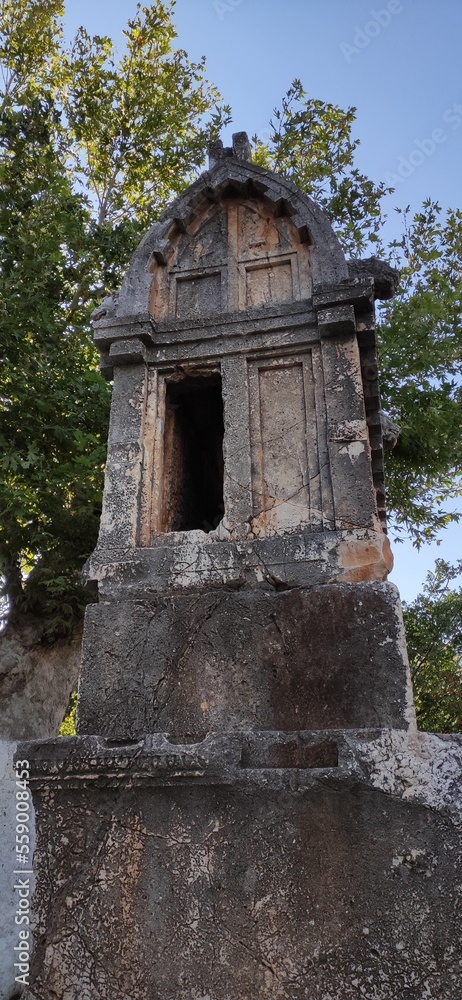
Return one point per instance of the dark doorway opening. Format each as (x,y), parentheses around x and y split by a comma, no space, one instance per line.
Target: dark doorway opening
(193,454)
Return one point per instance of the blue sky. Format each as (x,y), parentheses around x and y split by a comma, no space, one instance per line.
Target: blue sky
(398,62)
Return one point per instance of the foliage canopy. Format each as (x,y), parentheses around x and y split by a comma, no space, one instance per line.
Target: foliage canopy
(434,636)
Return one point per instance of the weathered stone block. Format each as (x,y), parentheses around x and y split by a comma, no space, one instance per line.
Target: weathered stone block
(193,561)
(302,882)
(298,659)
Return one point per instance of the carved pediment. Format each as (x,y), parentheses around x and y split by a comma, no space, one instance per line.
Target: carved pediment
(238,238)
(234,255)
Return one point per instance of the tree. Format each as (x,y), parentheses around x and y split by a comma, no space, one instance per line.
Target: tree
(420,347)
(55,405)
(434,634)
(311,143)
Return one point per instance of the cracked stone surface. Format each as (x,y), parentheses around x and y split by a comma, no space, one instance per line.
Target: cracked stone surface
(193,561)
(210,870)
(300,658)
(243,280)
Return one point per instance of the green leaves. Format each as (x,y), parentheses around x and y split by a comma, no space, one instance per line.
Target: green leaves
(141,125)
(68,725)
(420,347)
(47,380)
(30,35)
(92,147)
(434,635)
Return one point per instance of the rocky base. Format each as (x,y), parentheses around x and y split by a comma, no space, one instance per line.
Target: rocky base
(282,865)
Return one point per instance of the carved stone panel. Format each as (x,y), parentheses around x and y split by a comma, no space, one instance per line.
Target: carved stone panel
(198,295)
(290,485)
(234,255)
(268,282)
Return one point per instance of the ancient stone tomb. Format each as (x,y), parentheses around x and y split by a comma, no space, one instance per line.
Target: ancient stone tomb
(245,812)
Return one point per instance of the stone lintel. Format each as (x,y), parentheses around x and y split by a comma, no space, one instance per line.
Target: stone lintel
(195,561)
(219,759)
(296,312)
(382,757)
(189,346)
(337,321)
(359,294)
(128,352)
(272,317)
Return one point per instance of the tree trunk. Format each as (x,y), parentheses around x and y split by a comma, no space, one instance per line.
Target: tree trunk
(36,679)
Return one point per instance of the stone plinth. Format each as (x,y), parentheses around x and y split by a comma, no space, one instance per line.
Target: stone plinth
(302,658)
(272,865)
